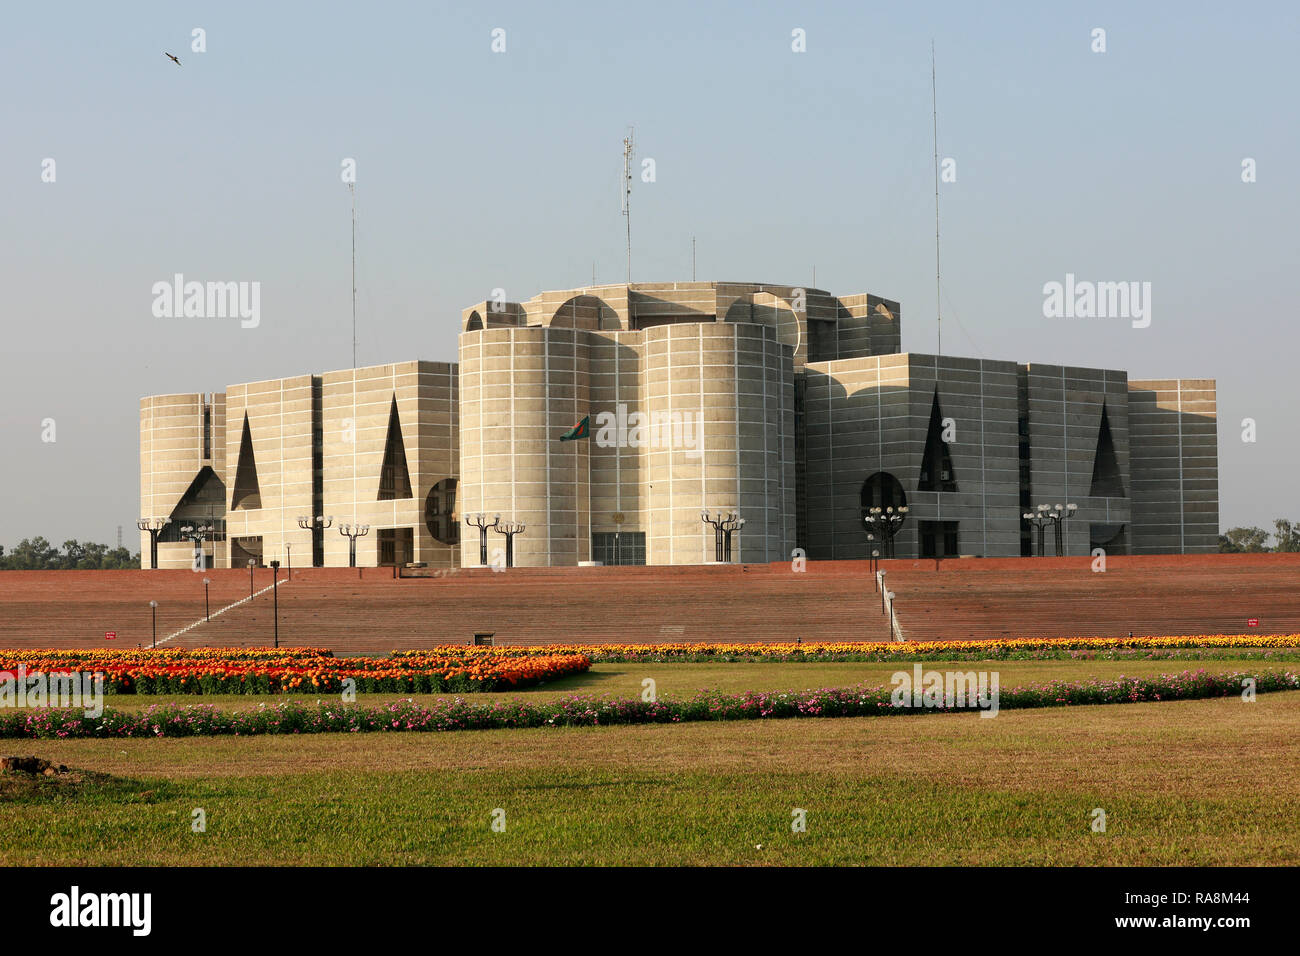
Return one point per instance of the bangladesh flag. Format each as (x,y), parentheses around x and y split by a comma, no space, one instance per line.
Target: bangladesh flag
(580,430)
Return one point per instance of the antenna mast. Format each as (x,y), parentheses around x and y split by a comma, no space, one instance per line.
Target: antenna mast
(628,147)
(934,108)
(352,188)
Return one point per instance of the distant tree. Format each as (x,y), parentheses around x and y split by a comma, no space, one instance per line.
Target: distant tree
(1243,540)
(1287,535)
(36,554)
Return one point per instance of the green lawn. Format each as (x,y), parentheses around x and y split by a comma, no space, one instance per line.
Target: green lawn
(1186,782)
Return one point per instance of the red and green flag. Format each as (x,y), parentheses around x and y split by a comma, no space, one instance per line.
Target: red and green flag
(580,430)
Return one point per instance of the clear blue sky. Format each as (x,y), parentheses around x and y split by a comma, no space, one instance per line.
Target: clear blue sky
(479,170)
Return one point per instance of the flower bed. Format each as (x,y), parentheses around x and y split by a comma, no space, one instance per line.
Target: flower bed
(293,717)
(291,670)
(992,649)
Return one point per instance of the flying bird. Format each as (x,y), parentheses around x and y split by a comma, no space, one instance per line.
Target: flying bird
(172,58)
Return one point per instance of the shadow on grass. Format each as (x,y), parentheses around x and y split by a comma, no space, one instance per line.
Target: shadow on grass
(587,681)
(82,786)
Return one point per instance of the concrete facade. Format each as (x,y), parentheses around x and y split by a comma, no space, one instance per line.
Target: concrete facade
(791,406)
(306,446)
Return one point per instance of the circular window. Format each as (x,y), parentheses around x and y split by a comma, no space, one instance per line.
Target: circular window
(440,512)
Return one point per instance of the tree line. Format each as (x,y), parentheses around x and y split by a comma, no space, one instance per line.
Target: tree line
(37,554)
(1286,537)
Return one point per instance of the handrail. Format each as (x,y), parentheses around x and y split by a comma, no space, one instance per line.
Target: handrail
(887,608)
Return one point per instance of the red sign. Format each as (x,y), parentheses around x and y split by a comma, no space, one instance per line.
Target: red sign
(110,635)
(1252,622)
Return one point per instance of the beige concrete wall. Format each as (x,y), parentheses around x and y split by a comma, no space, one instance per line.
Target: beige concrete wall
(171,457)
(1065,405)
(354,409)
(735,381)
(1175,480)
(865,415)
(356,406)
(617,470)
(520,390)
(279,417)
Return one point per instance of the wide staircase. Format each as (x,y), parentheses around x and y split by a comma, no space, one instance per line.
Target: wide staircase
(368,611)
(1062,597)
(354,611)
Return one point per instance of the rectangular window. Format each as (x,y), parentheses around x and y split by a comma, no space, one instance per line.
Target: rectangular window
(396,546)
(618,547)
(939,539)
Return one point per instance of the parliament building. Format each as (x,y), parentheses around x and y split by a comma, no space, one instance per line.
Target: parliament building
(789,407)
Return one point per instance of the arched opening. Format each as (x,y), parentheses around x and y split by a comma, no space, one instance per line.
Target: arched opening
(586,312)
(475,322)
(440,512)
(764,308)
(882,490)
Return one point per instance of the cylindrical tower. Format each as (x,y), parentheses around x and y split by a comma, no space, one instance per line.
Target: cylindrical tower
(717,396)
(521,388)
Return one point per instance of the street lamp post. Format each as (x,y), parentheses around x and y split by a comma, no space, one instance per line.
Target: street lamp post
(720,522)
(315,523)
(509,529)
(1037,519)
(207,608)
(873,560)
(1059,515)
(352,532)
(275,597)
(153,609)
(731,524)
(886,523)
(1055,516)
(480,521)
(251,565)
(198,534)
(154,526)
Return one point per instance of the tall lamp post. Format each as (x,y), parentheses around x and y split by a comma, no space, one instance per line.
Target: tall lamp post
(275,596)
(352,532)
(885,523)
(1055,516)
(731,524)
(153,608)
(315,524)
(480,521)
(251,564)
(719,521)
(509,529)
(207,608)
(154,526)
(1059,514)
(1039,520)
(198,534)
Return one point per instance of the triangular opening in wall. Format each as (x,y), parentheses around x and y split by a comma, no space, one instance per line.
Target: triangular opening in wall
(394,479)
(1106,480)
(247,494)
(936,463)
(207,493)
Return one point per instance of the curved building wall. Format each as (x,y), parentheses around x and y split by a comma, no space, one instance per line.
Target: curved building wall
(731,381)
(521,389)
(176,443)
